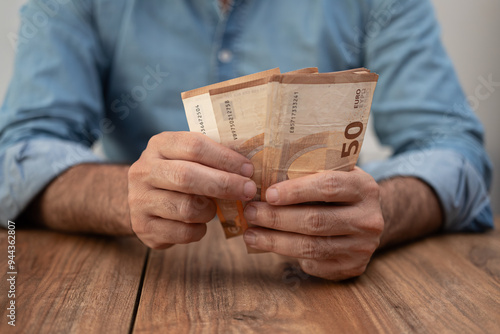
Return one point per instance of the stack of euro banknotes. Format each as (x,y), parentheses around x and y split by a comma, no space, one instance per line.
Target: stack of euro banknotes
(289,125)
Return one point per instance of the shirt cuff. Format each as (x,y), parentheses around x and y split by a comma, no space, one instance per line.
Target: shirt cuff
(460,188)
(28,166)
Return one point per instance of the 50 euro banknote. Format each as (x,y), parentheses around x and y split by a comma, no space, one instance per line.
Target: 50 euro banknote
(315,123)
(288,125)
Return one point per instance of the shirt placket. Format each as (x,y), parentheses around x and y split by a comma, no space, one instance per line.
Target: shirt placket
(225,42)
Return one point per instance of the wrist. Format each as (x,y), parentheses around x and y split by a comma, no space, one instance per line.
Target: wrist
(410,209)
(90,198)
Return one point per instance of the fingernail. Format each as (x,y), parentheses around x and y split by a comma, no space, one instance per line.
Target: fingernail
(250,212)
(249,189)
(247,170)
(250,237)
(272,195)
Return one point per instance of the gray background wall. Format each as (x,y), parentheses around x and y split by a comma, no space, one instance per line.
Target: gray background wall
(470,33)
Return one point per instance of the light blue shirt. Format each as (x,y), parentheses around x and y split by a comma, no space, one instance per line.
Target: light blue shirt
(114,70)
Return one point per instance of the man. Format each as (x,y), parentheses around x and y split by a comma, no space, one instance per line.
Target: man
(114,70)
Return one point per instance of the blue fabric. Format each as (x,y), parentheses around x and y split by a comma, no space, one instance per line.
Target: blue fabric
(114,70)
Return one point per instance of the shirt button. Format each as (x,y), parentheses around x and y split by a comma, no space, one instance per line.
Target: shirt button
(225,56)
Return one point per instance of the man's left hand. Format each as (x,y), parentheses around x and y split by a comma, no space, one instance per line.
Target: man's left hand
(334,239)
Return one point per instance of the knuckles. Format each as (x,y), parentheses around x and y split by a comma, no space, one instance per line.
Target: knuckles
(226,161)
(310,249)
(186,209)
(309,266)
(225,183)
(194,146)
(179,174)
(136,172)
(370,225)
(377,224)
(364,252)
(272,217)
(268,243)
(157,140)
(135,201)
(314,222)
(371,189)
(332,183)
(192,207)
(329,184)
(141,226)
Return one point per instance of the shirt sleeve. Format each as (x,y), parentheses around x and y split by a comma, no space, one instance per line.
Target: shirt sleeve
(420,110)
(53,108)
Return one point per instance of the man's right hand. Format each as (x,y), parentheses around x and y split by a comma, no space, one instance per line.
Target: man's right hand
(170,185)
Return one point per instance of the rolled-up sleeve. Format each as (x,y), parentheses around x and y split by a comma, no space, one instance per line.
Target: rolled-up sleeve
(421,112)
(53,108)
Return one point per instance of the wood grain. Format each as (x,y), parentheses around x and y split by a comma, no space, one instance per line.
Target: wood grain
(444,284)
(72,284)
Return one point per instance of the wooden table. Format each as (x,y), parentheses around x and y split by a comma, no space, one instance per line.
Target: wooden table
(87,284)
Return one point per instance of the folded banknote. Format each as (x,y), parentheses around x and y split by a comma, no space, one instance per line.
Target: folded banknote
(289,125)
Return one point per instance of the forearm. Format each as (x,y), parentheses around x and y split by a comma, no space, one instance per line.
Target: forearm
(410,208)
(86,198)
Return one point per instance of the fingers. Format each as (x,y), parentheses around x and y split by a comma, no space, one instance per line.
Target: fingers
(193,178)
(314,220)
(159,233)
(333,258)
(161,218)
(329,186)
(296,245)
(201,149)
(180,207)
(333,241)
(169,185)
(336,270)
